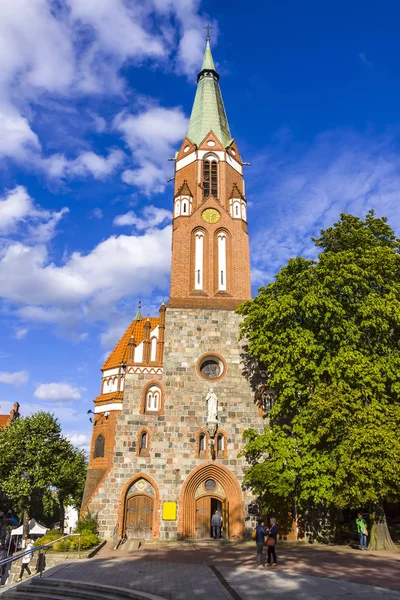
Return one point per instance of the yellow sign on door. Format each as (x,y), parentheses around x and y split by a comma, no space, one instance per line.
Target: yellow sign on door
(169,511)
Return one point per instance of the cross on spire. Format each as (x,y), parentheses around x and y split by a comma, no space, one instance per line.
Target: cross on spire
(208,27)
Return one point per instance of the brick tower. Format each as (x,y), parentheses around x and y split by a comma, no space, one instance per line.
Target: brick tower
(169,421)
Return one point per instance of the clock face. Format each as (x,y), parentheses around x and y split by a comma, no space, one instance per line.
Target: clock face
(211,215)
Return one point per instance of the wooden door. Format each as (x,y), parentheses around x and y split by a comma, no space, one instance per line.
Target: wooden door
(203,517)
(139,517)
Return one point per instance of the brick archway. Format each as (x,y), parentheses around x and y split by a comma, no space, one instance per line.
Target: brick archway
(187,502)
(123,498)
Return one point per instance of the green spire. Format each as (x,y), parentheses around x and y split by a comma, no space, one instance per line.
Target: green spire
(208,62)
(138,316)
(208,108)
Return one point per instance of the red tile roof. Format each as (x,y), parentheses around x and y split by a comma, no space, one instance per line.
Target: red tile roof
(120,352)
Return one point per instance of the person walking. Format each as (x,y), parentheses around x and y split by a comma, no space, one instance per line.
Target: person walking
(26,560)
(271,543)
(261,534)
(362,531)
(216,523)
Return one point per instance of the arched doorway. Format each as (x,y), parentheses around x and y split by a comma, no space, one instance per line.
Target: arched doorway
(207,488)
(139,510)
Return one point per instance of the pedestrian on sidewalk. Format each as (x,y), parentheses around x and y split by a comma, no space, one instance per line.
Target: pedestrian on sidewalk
(271,542)
(261,534)
(216,523)
(362,531)
(26,560)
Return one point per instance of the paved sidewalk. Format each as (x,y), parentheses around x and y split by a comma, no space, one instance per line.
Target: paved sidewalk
(259,585)
(176,581)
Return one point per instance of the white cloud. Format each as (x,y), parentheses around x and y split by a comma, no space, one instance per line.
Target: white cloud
(20,333)
(15,379)
(97,213)
(17,208)
(70,47)
(87,163)
(58,392)
(152,217)
(152,136)
(307,190)
(66,414)
(79,440)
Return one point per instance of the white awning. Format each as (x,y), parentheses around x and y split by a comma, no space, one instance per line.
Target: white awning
(34,529)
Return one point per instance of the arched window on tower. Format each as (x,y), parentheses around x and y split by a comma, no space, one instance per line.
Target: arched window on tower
(221,446)
(99,447)
(210,176)
(222,261)
(202,445)
(153,397)
(144,444)
(198,260)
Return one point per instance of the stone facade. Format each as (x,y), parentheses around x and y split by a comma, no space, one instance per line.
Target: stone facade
(171,459)
(156,446)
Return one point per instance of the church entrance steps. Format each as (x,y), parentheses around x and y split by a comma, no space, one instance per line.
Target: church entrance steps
(53,589)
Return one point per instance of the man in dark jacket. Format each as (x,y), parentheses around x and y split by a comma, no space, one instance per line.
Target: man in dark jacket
(261,532)
(216,522)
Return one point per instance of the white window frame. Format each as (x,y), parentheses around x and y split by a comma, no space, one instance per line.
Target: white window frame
(222,283)
(153,397)
(198,259)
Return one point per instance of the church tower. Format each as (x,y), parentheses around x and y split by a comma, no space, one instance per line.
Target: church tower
(168,424)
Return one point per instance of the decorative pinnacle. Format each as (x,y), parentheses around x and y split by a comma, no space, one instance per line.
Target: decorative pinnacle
(138,316)
(208,27)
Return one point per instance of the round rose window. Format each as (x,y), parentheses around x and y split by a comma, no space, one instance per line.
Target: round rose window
(210,485)
(211,367)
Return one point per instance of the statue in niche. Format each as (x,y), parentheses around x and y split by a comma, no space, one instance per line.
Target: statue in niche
(212,405)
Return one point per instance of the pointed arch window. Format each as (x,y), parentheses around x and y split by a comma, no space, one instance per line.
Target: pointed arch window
(210,177)
(221,446)
(153,397)
(202,444)
(99,446)
(198,260)
(222,284)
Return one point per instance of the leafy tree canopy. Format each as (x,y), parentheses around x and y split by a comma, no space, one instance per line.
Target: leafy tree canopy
(37,463)
(327,334)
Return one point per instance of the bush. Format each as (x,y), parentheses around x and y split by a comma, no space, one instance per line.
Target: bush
(88,524)
(88,540)
(50,535)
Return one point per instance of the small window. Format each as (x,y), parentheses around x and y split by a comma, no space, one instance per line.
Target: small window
(202,443)
(99,447)
(143,444)
(184,207)
(153,399)
(221,447)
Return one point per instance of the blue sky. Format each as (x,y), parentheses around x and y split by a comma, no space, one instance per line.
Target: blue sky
(95,97)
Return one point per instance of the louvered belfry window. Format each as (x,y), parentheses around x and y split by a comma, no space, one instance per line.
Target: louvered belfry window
(210,180)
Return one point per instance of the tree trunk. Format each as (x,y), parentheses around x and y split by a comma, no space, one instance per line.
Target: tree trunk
(380,536)
(62,514)
(25,526)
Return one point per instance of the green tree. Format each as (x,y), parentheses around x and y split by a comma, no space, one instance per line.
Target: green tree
(327,334)
(70,478)
(35,459)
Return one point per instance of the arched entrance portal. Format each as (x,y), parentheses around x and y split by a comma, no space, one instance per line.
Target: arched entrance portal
(139,510)
(207,488)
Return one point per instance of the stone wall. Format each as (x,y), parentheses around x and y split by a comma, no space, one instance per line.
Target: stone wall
(189,334)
